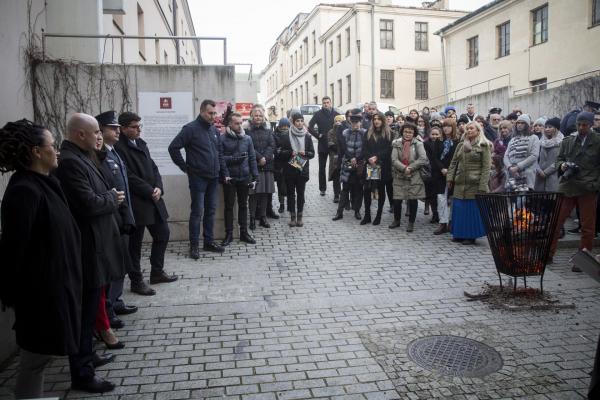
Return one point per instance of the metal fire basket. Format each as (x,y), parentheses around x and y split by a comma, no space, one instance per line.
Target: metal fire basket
(520,227)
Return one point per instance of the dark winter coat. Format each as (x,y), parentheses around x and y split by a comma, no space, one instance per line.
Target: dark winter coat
(434,150)
(143,177)
(277,163)
(115,172)
(284,154)
(41,264)
(587,157)
(382,148)
(201,144)
(93,204)
(346,154)
(324,120)
(264,145)
(238,154)
(568,123)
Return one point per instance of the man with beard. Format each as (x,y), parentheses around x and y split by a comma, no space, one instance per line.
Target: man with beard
(323,119)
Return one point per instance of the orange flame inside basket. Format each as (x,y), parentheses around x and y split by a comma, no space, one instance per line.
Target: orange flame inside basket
(522,218)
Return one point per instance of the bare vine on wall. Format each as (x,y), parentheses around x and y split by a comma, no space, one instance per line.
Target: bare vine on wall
(62,87)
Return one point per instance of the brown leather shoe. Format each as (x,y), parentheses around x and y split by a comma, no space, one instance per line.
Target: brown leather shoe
(162,277)
(443,228)
(142,288)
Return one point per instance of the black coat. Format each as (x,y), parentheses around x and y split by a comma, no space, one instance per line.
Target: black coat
(143,177)
(201,144)
(278,163)
(238,154)
(264,145)
(284,154)
(115,172)
(324,120)
(41,264)
(434,150)
(382,148)
(93,204)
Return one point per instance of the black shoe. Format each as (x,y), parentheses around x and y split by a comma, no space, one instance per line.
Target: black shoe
(457,240)
(116,323)
(394,224)
(468,242)
(338,216)
(435,219)
(264,223)
(366,219)
(281,208)
(125,310)
(322,193)
(336,199)
(94,385)
(99,361)
(357,215)
(377,219)
(142,289)
(575,268)
(194,252)
(252,225)
(111,346)
(228,239)
(162,277)
(215,248)
(272,214)
(247,238)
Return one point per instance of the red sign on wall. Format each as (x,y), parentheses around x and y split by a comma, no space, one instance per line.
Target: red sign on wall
(166,103)
(243,109)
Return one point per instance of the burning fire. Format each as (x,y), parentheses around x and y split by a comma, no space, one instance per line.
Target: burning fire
(522,218)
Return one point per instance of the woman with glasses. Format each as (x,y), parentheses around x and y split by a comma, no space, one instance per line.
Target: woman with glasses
(41,250)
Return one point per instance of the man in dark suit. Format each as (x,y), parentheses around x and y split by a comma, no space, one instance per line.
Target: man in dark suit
(323,119)
(115,168)
(93,203)
(149,209)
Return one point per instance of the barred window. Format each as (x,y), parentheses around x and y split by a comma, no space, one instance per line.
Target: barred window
(387,84)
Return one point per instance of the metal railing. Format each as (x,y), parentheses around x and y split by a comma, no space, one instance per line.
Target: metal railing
(122,38)
(454,95)
(557,82)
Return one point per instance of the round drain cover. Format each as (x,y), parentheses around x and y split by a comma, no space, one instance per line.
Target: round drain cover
(455,356)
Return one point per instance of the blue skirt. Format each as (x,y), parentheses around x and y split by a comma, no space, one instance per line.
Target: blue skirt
(466,220)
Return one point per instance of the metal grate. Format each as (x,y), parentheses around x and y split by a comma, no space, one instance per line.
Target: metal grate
(454,356)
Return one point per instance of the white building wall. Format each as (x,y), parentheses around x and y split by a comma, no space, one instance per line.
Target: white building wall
(568,51)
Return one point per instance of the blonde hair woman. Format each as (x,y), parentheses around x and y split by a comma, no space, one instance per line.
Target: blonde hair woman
(468,175)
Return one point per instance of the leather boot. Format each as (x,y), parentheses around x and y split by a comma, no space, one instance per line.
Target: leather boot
(252,225)
(410,227)
(338,215)
(264,223)
(394,224)
(299,222)
(281,204)
(194,251)
(367,218)
(292,222)
(357,214)
(377,219)
(228,239)
(443,228)
(246,237)
(435,218)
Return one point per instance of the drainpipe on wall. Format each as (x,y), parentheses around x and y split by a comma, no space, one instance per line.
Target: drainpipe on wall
(175,30)
(324,70)
(357,80)
(444,73)
(372,52)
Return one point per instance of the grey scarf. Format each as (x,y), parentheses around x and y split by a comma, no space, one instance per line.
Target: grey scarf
(297,138)
(233,134)
(552,142)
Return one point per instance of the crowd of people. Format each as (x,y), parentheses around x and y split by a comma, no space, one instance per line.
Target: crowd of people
(72,226)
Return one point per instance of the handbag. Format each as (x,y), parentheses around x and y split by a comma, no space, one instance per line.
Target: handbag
(373,172)
(425,170)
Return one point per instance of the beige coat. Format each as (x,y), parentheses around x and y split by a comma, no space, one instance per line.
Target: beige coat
(408,187)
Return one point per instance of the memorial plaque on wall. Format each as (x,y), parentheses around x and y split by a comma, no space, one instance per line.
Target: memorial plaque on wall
(163,114)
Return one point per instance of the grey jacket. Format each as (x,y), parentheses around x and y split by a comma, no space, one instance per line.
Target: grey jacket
(547,164)
(523,152)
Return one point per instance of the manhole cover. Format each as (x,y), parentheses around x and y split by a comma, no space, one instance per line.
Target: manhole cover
(455,356)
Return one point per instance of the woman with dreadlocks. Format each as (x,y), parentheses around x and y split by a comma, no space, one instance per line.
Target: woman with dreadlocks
(41,256)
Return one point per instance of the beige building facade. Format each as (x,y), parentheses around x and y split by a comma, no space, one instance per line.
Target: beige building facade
(356,53)
(525,45)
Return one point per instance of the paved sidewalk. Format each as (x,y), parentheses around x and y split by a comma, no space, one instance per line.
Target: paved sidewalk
(328,310)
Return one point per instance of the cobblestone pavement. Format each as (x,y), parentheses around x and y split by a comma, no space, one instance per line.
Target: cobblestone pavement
(326,311)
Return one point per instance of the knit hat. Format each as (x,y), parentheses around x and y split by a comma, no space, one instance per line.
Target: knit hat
(555,122)
(339,118)
(540,121)
(448,108)
(585,116)
(524,118)
(284,122)
(435,116)
(463,118)
(296,117)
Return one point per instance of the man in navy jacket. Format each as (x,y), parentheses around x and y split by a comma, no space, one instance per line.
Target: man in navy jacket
(204,165)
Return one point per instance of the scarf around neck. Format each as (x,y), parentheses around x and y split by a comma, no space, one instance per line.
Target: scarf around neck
(406,151)
(297,138)
(234,135)
(553,142)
